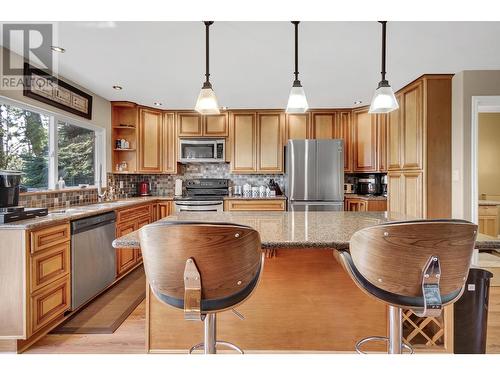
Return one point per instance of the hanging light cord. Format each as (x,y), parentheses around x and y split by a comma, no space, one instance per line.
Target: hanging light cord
(384,25)
(296,82)
(207,84)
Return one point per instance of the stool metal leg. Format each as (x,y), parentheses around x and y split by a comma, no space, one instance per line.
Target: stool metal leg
(395,330)
(210,332)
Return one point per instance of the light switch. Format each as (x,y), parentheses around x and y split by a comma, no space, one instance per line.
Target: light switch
(455,175)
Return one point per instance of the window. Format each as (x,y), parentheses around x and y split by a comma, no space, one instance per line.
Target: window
(46,146)
(76,154)
(25,145)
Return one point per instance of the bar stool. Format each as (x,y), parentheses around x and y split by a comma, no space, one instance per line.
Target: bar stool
(417,265)
(203,268)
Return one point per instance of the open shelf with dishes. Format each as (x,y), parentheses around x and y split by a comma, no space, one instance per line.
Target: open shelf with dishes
(124,122)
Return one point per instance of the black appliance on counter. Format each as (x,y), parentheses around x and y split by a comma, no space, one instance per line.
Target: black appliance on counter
(202,195)
(9,199)
(369,185)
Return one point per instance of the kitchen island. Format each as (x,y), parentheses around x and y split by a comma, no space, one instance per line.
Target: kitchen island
(305,301)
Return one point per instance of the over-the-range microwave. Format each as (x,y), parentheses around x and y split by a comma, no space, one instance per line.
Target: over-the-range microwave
(202,150)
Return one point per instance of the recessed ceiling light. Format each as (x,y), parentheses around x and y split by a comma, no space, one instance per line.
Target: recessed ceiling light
(224,108)
(358,102)
(58,49)
(157,104)
(116,87)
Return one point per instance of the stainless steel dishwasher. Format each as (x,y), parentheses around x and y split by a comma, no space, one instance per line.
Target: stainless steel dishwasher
(92,256)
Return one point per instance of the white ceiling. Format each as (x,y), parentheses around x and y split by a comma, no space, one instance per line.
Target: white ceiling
(251,63)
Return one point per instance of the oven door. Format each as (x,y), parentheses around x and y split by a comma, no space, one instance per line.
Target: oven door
(199,206)
(201,150)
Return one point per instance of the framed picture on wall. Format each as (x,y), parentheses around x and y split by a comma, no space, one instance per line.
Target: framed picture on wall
(46,88)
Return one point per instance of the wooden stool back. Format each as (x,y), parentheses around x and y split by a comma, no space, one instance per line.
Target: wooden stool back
(393,256)
(228,257)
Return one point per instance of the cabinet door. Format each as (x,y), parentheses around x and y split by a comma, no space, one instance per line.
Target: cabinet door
(125,258)
(394,137)
(163,210)
(140,223)
(169,143)
(189,125)
(323,125)
(395,201)
(413,194)
(297,126)
(382,143)
(215,125)
(365,141)
(270,142)
(343,130)
(150,140)
(243,142)
(413,127)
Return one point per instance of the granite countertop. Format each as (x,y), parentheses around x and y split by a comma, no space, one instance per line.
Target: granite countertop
(287,229)
(483,202)
(240,197)
(367,197)
(63,215)
(298,229)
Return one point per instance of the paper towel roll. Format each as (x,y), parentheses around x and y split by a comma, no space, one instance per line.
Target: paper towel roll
(178,187)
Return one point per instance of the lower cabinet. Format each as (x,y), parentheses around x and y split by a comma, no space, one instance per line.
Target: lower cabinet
(254,205)
(164,209)
(406,193)
(488,220)
(363,204)
(125,258)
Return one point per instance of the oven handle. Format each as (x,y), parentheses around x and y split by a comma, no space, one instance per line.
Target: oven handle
(198,204)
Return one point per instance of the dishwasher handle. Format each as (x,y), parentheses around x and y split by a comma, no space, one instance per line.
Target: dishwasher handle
(89,223)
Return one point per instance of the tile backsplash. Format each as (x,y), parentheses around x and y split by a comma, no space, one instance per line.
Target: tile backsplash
(57,199)
(164,184)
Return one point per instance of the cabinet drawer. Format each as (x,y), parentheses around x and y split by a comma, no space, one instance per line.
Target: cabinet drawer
(488,210)
(49,303)
(48,266)
(134,213)
(255,205)
(44,238)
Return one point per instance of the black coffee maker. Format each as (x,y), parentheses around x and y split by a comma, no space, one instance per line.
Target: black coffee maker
(9,188)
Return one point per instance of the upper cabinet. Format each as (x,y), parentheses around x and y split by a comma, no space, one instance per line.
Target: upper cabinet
(297,126)
(382,142)
(394,137)
(256,140)
(270,142)
(364,130)
(323,125)
(412,126)
(169,143)
(192,124)
(124,120)
(150,140)
(343,130)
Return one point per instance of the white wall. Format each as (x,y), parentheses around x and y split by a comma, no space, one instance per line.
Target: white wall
(465,85)
(101,108)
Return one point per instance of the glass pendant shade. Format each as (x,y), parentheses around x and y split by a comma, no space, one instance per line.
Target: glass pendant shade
(297,101)
(207,102)
(384,100)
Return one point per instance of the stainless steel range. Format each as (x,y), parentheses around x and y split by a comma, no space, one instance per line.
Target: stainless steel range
(202,195)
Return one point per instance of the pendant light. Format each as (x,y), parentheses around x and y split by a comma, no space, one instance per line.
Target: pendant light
(383,100)
(207,101)
(297,101)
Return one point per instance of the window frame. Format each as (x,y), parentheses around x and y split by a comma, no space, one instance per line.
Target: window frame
(55,118)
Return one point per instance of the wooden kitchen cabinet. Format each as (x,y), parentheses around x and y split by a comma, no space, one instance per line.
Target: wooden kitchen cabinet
(150,140)
(270,142)
(382,143)
(169,162)
(297,126)
(192,124)
(364,130)
(406,193)
(254,205)
(419,149)
(365,204)
(343,130)
(323,125)
(164,209)
(488,220)
(125,258)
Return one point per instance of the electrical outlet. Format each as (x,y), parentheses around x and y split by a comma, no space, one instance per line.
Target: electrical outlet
(121,184)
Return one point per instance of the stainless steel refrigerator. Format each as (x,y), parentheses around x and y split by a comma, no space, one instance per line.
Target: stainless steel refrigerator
(314,175)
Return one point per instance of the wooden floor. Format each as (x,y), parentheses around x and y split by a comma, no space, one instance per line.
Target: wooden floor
(129,337)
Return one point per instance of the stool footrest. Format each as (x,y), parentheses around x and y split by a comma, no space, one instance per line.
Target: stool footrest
(379,338)
(217,343)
